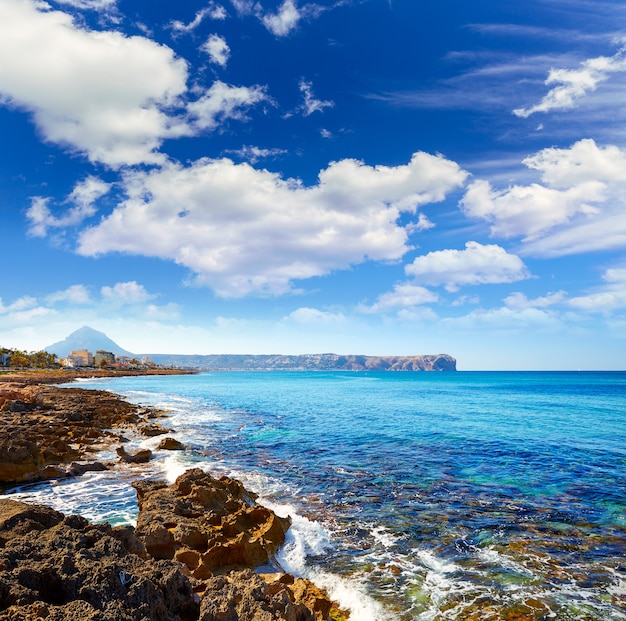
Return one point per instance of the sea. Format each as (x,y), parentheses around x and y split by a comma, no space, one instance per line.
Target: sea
(413,495)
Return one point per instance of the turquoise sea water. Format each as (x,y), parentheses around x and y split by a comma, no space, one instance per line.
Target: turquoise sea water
(468,495)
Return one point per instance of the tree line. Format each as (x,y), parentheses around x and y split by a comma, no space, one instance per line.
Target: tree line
(20,359)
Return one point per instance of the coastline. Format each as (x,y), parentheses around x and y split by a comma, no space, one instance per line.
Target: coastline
(50,433)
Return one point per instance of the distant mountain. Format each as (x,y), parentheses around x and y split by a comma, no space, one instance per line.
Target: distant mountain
(87,338)
(308,362)
(92,340)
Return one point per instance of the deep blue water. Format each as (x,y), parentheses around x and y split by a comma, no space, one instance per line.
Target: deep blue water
(468,495)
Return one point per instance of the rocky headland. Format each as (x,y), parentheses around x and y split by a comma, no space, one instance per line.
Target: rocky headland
(308,362)
(194,555)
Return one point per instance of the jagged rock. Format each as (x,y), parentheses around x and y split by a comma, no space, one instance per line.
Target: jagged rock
(76,469)
(208,524)
(171,444)
(142,456)
(64,568)
(154,430)
(53,428)
(245,596)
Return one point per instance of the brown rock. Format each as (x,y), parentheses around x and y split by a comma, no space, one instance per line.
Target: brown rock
(245,596)
(218,520)
(64,568)
(171,444)
(140,457)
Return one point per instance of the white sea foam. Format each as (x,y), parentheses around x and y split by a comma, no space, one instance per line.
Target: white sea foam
(494,557)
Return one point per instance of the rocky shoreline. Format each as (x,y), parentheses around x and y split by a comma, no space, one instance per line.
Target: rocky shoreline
(195,549)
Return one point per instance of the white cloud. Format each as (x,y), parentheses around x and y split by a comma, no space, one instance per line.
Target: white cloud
(311,104)
(95,5)
(476,265)
(313,316)
(82,197)
(506,319)
(284,21)
(101,93)
(403,296)
(223,101)
(519,301)
(422,224)
(217,49)
(20,304)
(76,294)
(126,293)
(610,297)
(212,11)
(572,85)
(253,154)
(243,230)
(578,207)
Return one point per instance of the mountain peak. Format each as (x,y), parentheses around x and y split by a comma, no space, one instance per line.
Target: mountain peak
(86,338)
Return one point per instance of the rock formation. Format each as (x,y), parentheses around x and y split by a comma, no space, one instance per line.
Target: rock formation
(65,569)
(206,523)
(45,429)
(191,557)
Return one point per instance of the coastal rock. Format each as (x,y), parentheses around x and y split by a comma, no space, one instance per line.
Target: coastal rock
(45,429)
(64,568)
(245,596)
(142,456)
(171,444)
(208,524)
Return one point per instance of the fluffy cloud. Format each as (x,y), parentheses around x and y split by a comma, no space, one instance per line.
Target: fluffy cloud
(610,297)
(217,49)
(83,197)
(284,21)
(101,93)
(243,230)
(571,85)
(403,296)
(223,101)
(126,293)
(311,104)
(313,316)
(519,301)
(578,207)
(76,294)
(476,265)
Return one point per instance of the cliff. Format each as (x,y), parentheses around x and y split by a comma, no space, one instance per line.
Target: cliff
(309,362)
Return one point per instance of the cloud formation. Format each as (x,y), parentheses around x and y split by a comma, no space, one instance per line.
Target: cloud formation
(403,296)
(573,84)
(222,102)
(311,104)
(609,297)
(578,207)
(284,20)
(217,49)
(213,11)
(83,198)
(100,93)
(243,230)
(478,264)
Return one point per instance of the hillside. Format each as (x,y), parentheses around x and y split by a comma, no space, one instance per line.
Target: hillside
(310,362)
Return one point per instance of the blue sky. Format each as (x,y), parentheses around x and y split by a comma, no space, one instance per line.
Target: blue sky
(358,176)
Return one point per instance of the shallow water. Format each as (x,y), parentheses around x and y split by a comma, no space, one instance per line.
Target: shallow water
(416,495)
